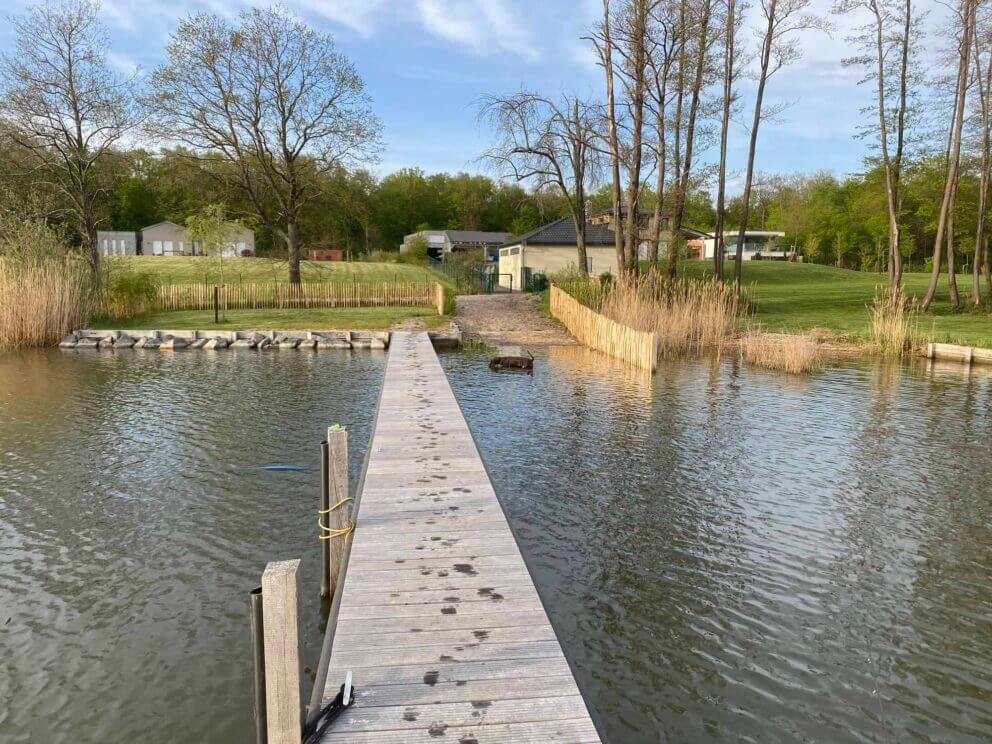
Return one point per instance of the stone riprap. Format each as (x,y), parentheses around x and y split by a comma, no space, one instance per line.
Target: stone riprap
(174,340)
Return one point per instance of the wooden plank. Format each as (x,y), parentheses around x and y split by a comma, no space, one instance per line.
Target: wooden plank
(439,620)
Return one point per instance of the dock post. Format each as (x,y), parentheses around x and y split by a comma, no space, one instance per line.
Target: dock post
(338,517)
(280,596)
(439,297)
(325,502)
(258,659)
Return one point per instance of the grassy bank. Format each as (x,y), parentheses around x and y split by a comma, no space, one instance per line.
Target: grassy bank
(348,318)
(197,269)
(799,297)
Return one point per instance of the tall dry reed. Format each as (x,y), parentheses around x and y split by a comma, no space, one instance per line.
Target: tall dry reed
(42,301)
(686,315)
(789,353)
(894,323)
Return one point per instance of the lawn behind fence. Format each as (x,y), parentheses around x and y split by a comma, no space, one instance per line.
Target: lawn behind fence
(341,318)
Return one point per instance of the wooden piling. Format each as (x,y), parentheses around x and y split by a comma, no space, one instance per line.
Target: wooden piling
(280,611)
(258,659)
(439,298)
(325,502)
(337,520)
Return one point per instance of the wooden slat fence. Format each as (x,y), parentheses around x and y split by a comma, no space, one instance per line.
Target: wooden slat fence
(596,331)
(283,295)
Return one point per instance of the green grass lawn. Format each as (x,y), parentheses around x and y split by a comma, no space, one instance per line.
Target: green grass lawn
(346,318)
(797,297)
(201,269)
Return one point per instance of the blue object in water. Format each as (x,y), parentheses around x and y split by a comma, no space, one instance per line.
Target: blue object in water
(277,468)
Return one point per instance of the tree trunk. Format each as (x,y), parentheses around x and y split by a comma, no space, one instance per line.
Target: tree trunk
(639,64)
(697,84)
(728,82)
(952,280)
(293,251)
(613,140)
(766,51)
(955,153)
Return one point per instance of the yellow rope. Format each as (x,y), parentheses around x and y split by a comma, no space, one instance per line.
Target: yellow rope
(333,533)
(329,509)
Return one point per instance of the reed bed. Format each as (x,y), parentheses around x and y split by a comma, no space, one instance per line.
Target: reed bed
(41,302)
(894,327)
(687,316)
(795,354)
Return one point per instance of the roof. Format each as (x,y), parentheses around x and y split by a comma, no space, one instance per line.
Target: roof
(476,236)
(562,232)
(163,222)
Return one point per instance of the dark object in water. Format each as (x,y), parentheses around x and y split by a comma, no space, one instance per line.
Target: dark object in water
(512,357)
(280,468)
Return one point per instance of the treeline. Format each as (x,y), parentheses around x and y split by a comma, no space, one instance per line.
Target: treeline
(673,89)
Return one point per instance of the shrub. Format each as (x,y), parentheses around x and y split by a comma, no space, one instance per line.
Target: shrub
(125,293)
(416,252)
(382,257)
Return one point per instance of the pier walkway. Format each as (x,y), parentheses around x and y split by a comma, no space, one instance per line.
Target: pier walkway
(439,620)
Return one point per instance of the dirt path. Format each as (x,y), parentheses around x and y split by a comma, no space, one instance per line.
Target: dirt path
(508,319)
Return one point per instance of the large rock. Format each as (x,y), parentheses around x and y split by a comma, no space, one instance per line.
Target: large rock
(264,343)
(123,341)
(333,343)
(69,342)
(287,342)
(174,342)
(308,343)
(198,343)
(243,343)
(216,343)
(106,342)
(87,342)
(147,342)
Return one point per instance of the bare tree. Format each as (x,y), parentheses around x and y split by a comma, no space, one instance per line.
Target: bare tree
(732,21)
(548,144)
(779,47)
(886,44)
(702,40)
(983,84)
(602,39)
(271,101)
(966,13)
(64,105)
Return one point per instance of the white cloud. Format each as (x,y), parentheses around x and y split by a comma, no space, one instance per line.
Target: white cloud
(483,27)
(361,16)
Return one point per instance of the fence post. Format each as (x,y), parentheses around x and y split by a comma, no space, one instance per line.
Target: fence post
(338,517)
(439,297)
(280,590)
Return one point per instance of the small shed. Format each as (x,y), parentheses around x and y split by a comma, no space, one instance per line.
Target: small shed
(325,254)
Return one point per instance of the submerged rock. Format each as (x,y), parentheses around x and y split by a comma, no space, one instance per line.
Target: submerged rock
(69,342)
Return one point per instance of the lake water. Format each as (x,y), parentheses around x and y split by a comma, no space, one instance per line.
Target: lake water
(727,554)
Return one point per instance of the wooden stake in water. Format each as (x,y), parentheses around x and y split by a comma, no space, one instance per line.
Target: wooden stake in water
(325,502)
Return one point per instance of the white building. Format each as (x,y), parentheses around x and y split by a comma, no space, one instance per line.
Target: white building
(758,244)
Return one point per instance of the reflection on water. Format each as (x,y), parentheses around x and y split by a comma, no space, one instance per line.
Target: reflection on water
(733,554)
(133,526)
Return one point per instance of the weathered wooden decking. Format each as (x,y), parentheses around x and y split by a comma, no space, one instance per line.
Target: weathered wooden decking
(439,618)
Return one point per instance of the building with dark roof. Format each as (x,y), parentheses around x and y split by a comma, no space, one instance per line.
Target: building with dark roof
(440,242)
(552,248)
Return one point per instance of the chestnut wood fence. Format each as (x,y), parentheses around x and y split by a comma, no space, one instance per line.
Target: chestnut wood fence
(596,331)
(284,295)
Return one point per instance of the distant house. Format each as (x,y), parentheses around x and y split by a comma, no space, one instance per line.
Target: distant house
(166,239)
(758,244)
(325,254)
(552,248)
(118,242)
(440,242)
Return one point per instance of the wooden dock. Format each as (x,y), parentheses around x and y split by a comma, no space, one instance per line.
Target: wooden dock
(439,620)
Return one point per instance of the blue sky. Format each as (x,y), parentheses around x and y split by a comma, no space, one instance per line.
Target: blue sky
(427,62)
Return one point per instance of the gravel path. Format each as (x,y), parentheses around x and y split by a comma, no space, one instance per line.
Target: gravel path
(509,319)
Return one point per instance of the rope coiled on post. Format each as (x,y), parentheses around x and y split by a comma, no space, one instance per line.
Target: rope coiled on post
(330,533)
